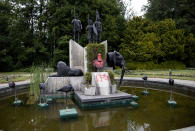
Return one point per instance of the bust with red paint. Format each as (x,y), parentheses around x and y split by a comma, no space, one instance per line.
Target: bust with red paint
(98,63)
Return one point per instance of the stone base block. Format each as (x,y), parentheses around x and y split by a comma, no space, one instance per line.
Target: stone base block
(90,91)
(54,83)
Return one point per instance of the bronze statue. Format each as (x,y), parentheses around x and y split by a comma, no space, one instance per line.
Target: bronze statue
(89,28)
(98,26)
(64,70)
(77,27)
(116,59)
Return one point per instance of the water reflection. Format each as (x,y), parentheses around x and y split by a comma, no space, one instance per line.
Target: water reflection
(134,126)
(100,119)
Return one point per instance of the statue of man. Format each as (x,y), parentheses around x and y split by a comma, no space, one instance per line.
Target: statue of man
(89,28)
(98,26)
(77,27)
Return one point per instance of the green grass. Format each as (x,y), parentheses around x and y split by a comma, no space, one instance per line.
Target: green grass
(13,76)
(188,74)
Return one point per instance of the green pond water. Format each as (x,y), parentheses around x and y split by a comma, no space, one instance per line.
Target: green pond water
(153,114)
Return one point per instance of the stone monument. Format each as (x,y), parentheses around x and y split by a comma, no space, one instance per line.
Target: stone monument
(100,91)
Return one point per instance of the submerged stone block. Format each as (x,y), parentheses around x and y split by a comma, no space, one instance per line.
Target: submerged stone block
(135,97)
(134,104)
(145,92)
(172,102)
(43,105)
(17,102)
(68,113)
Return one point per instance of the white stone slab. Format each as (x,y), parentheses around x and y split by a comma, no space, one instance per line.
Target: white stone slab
(105,43)
(54,83)
(85,59)
(102,82)
(76,55)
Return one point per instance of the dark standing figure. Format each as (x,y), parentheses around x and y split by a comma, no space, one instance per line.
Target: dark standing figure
(98,26)
(116,59)
(77,27)
(171,83)
(89,28)
(66,89)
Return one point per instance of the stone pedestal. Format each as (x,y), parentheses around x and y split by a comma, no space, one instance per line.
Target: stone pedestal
(90,91)
(54,83)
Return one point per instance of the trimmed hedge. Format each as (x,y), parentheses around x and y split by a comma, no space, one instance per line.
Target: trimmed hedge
(151,65)
(92,51)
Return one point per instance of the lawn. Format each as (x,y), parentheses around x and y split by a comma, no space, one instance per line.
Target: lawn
(13,76)
(188,74)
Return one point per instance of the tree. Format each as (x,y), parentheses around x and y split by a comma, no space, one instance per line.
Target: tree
(161,41)
(6,60)
(182,11)
(31,30)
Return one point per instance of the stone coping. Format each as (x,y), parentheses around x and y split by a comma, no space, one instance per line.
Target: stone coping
(191,128)
(188,83)
(156,80)
(18,84)
(186,87)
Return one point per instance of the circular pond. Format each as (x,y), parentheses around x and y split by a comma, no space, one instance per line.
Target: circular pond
(153,114)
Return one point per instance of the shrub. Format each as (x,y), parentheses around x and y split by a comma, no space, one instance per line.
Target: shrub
(172,65)
(151,65)
(131,66)
(88,77)
(111,74)
(92,51)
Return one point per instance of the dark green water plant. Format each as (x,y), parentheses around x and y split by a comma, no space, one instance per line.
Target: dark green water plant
(38,75)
